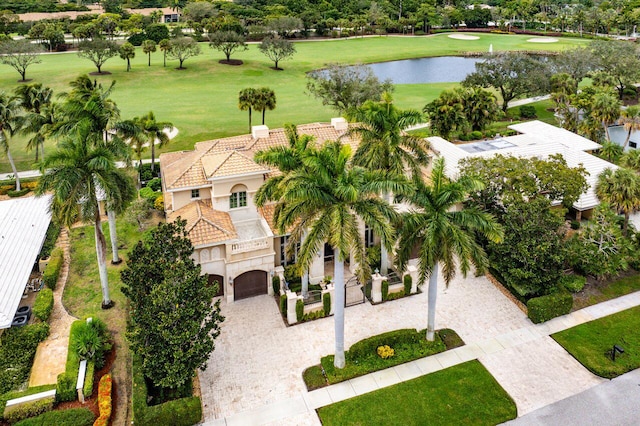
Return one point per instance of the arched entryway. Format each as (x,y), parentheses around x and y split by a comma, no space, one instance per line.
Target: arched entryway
(217,278)
(249,284)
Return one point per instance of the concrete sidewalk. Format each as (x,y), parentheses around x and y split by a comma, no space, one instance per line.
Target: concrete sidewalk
(521,342)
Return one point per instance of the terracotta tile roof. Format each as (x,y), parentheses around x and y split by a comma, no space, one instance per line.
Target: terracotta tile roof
(229,164)
(267,212)
(204,224)
(190,168)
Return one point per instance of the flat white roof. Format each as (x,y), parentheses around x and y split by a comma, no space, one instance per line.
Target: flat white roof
(23,227)
(529,145)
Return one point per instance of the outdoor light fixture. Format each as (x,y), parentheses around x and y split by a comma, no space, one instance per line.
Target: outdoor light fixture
(614,350)
(376,271)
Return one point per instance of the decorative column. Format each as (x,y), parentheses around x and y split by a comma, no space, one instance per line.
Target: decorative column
(292,298)
(413,272)
(376,287)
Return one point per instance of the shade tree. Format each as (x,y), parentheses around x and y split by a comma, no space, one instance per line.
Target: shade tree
(20,54)
(227,42)
(183,48)
(97,51)
(277,49)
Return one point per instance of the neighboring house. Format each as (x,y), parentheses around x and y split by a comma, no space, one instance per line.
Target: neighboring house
(535,139)
(618,134)
(213,188)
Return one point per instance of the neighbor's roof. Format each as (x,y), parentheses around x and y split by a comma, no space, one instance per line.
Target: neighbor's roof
(556,135)
(213,158)
(204,224)
(527,146)
(23,227)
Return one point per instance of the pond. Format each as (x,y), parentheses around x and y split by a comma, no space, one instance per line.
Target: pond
(443,69)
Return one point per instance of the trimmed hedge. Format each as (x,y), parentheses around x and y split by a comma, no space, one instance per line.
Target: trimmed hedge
(369,346)
(66,386)
(70,417)
(52,271)
(299,310)
(19,394)
(385,290)
(408,282)
(283,304)
(87,388)
(544,308)
(179,412)
(275,283)
(104,400)
(53,231)
(29,409)
(43,305)
(326,304)
(17,350)
(573,283)
(15,194)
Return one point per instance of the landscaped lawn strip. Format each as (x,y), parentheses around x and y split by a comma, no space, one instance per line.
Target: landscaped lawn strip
(83,296)
(591,343)
(202,101)
(462,394)
(607,291)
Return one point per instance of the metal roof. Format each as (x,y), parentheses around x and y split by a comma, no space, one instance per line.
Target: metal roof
(556,135)
(23,227)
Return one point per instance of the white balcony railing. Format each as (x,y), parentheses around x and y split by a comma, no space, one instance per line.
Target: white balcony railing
(250,245)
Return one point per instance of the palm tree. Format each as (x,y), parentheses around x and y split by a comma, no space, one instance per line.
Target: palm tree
(73,173)
(621,189)
(445,237)
(446,113)
(385,146)
(611,151)
(247,101)
(326,198)
(631,160)
(286,159)
(165,46)
(130,131)
(10,123)
(265,100)
(155,134)
(41,114)
(630,119)
(606,109)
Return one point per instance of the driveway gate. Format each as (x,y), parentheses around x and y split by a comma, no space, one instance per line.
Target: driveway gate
(353,292)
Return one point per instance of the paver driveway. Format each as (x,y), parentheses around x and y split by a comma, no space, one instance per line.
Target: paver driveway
(259,361)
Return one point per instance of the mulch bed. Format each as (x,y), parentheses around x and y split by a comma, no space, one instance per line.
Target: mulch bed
(234,62)
(594,287)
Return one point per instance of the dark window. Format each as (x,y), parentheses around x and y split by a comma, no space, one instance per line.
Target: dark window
(633,145)
(238,199)
(195,193)
(368,237)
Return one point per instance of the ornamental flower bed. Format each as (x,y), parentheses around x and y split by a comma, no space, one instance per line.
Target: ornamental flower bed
(104,400)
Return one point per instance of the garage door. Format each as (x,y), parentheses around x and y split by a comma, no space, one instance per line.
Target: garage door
(252,283)
(217,278)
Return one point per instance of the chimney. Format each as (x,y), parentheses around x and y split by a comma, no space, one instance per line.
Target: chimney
(339,123)
(259,132)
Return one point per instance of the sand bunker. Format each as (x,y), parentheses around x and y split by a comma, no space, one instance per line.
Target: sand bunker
(463,37)
(542,40)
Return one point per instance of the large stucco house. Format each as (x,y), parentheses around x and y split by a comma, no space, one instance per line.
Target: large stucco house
(213,188)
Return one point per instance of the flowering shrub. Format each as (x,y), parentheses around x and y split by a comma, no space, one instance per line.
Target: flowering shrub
(385,352)
(104,400)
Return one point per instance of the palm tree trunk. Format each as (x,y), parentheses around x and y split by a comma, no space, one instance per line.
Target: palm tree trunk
(249,119)
(433,293)
(264,111)
(625,224)
(13,168)
(305,274)
(626,141)
(384,256)
(338,281)
(113,236)
(153,156)
(101,246)
(606,131)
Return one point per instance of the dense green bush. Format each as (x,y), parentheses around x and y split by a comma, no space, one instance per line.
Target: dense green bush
(52,271)
(283,304)
(43,305)
(70,417)
(292,275)
(368,347)
(15,194)
(29,409)
(385,290)
(49,240)
(149,194)
(66,387)
(87,389)
(544,308)
(573,283)
(17,350)
(155,184)
(299,310)
(527,111)
(146,174)
(575,224)
(408,283)
(326,304)
(179,412)
(19,394)
(275,282)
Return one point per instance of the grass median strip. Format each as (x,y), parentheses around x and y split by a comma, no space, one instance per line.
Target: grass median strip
(591,343)
(462,394)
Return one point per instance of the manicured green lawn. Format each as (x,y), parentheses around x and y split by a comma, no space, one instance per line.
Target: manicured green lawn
(589,343)
(202,100)
(463,394)
(608,291)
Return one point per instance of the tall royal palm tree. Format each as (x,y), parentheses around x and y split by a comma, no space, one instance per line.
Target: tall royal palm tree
(326,198)
(155,134)
(445,236)
(75,173)
(41,114)
(10,124)
(286,159)
(621,189)
(630,119)
(385,146)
